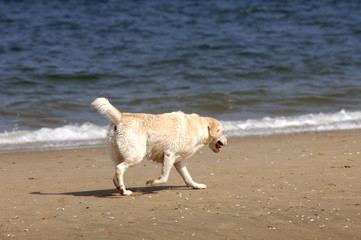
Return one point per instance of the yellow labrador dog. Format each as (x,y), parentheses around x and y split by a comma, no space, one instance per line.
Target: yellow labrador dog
(166,138)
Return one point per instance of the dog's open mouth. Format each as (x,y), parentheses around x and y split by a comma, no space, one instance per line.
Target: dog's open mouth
(219,145)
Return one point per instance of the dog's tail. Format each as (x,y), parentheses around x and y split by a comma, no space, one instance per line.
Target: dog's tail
(105,108)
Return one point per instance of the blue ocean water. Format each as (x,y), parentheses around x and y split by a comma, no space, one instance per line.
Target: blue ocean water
(261,67)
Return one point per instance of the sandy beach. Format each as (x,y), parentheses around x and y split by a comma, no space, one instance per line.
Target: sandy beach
(302,186)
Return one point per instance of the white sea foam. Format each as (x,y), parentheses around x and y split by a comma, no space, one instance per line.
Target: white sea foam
(89,134)
(342,120)
(61,137)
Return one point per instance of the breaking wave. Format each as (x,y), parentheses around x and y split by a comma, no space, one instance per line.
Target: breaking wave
(342,120)
(88,134)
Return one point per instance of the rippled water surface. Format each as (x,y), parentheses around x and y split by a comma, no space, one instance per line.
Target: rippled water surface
(233,60)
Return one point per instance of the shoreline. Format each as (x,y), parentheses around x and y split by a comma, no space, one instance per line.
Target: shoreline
(303,185)
(104,144)
(90,134)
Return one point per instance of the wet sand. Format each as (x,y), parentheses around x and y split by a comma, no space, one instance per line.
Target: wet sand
(303,186)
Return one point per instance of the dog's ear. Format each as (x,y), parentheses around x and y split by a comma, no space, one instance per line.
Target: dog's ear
(213,127)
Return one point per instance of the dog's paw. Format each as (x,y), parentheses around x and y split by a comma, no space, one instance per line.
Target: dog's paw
(150,182)
(155,182)
(125,193)
(198,186)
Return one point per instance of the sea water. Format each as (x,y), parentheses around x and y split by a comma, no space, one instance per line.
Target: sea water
(261,67)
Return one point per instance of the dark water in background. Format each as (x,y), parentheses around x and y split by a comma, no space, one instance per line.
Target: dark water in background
(233,60)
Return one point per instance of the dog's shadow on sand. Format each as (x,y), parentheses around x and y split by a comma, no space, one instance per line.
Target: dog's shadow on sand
(104,193)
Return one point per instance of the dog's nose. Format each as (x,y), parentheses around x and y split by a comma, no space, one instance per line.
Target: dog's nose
(224,140)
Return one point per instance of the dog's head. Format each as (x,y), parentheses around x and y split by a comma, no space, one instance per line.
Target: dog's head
(217,139)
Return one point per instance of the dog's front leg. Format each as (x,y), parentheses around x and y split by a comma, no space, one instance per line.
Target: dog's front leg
(182,169)
(167,166)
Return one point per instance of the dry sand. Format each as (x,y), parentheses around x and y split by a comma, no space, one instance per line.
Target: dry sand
(304,186)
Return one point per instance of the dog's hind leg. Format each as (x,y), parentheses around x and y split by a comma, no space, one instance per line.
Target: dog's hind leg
(116,183)
(117,159)
(119,174)
(182,169)
(118,178)
(167,166)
